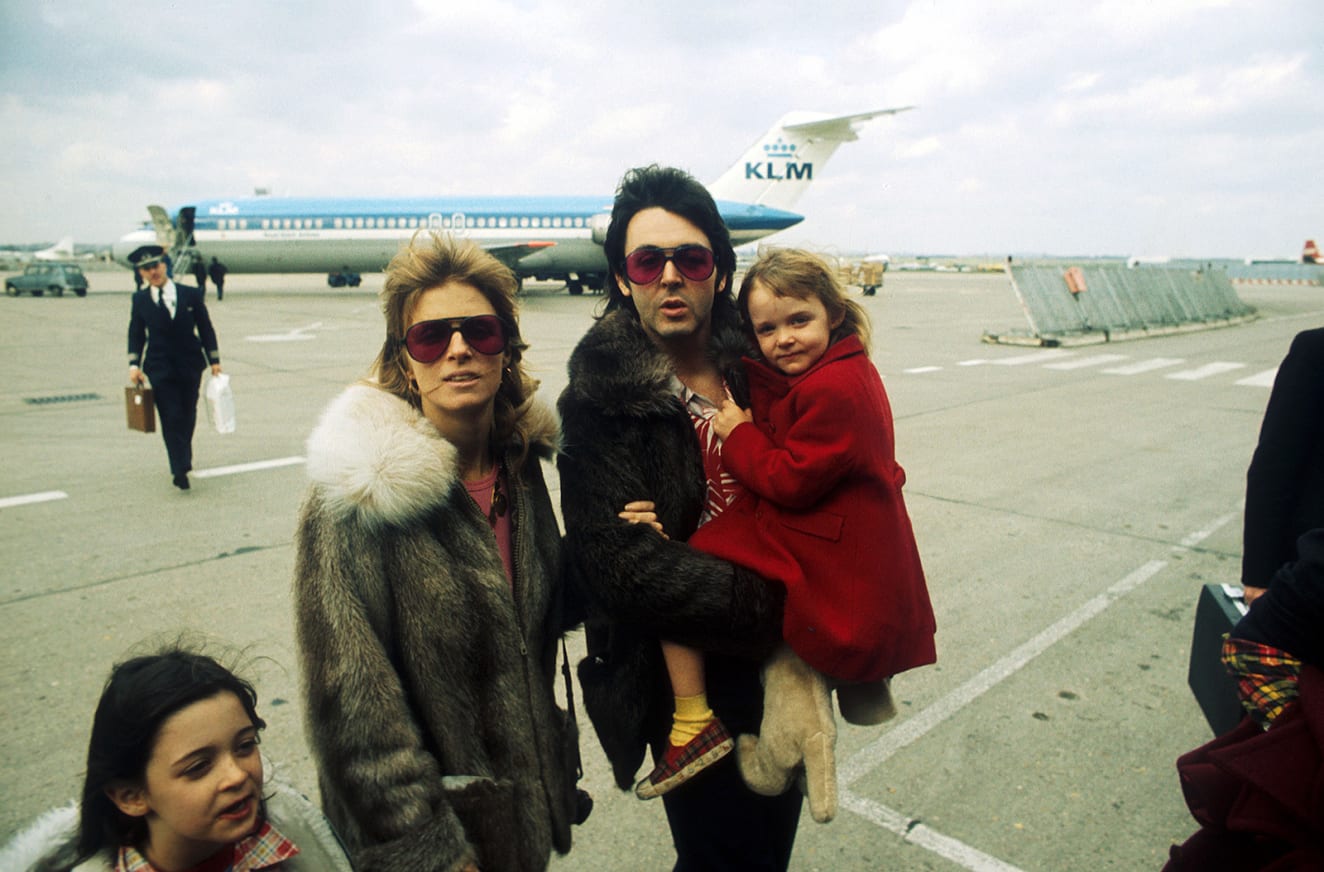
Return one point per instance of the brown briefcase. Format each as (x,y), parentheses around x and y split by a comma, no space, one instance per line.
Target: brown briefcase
(139,409)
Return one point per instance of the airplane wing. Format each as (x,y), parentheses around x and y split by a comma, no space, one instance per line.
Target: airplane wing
(512,253)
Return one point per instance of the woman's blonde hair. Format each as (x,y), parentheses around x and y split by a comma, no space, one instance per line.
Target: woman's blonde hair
(794,272)
(429,261)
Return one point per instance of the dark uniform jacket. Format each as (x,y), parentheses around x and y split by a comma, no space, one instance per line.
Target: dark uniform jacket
(176,347)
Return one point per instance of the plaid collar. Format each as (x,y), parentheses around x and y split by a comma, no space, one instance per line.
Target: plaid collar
(265,849)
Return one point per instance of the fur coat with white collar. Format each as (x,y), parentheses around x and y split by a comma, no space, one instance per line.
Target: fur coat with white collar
(428,681)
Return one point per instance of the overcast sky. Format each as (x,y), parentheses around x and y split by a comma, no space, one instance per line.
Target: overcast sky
(1179,127)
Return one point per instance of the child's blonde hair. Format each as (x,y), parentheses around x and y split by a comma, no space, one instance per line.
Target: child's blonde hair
(794,272)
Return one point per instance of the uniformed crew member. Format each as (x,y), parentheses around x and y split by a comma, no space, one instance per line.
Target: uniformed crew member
(172,322)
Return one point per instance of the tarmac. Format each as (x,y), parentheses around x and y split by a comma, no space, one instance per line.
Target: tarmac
(1069,505)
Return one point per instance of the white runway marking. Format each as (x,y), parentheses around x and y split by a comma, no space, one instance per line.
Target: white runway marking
(874,755)
(1145,366)
(1092,360)
(247,467)
(1033,357)
(29,499)
(298,334)
(1261,379)
(918,834)
(920,369)
(1215,368)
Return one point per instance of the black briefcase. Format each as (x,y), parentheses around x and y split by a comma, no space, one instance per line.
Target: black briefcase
(1217,612)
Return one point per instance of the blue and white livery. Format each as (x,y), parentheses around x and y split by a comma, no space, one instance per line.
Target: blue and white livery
(545,238)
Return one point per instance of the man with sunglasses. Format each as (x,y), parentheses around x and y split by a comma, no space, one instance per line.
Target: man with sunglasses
(172,323)
(643,382)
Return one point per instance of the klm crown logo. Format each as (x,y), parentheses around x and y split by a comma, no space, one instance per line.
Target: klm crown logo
(781,164)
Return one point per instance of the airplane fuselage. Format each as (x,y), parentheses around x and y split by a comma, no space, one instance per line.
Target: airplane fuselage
(293,235)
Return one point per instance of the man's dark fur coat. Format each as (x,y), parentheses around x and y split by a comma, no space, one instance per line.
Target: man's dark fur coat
(626,436)
(428,685)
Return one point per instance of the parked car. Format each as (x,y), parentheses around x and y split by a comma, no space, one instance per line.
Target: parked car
(53,278)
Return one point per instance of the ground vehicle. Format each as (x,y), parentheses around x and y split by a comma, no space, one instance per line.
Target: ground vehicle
(53,278)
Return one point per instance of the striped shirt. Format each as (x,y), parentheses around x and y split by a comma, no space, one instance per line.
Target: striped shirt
(723,489)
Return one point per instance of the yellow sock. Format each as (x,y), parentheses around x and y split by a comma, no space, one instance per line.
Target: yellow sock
(692,715)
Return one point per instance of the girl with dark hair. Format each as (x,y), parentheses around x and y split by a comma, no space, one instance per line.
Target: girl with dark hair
(174,783)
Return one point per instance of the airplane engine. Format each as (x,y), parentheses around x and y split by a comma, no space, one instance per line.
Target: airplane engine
(598,224)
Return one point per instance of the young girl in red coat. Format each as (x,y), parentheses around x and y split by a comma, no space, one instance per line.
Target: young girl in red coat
(822,514)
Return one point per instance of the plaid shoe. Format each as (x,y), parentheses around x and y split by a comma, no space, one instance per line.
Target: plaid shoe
(681,763)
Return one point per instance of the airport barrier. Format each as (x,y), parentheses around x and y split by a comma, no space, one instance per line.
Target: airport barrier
(1103,303)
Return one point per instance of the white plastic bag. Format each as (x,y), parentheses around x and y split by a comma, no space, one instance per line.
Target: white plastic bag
(220,403)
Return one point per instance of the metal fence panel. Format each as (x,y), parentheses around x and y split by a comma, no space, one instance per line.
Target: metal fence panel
(1117,299)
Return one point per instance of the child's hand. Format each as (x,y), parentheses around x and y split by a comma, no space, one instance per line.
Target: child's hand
(642,512)
(728,417)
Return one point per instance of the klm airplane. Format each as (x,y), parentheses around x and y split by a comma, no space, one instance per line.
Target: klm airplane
(544,238)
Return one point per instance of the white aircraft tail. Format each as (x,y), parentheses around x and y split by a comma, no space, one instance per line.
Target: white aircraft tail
(62,250)
(777,169)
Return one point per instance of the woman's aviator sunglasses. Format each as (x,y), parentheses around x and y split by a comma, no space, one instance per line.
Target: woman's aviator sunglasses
(645,264)
(427,341)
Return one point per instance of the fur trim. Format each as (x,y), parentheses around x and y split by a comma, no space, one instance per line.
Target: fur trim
(375,455)
(53,831)
(617,369)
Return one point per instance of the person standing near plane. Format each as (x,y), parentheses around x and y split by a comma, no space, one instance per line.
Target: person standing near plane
(171,321)
(199,270)
(217,272)
(644,382)
(427,589)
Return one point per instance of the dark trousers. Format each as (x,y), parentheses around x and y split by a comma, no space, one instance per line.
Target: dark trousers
(717,823)
(720,825)
(177,406)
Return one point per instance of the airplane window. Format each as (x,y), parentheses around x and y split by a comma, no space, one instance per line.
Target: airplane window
(243,223)
(579,222)
(336,223)
(556,222)
(390,222)
(266,224)
(413,222)
(501,222)
(358,222)
(469,222)
(319,223)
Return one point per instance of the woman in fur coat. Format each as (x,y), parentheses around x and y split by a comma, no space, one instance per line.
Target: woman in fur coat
(426,589)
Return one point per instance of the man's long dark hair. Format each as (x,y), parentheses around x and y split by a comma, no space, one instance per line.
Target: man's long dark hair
(678,192)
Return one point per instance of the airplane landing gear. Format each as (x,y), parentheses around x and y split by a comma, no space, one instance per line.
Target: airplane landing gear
(343,279)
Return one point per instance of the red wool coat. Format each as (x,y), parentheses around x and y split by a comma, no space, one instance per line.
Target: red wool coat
(825,517)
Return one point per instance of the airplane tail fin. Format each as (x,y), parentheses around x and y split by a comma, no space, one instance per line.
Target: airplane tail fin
(1310,253)
(777,169)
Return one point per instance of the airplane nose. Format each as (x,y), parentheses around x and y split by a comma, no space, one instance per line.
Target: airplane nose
(125,245)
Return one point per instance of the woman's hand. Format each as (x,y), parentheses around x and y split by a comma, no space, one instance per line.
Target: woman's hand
(643,512)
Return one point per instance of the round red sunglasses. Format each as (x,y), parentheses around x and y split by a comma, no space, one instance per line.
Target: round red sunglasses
(645,263)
